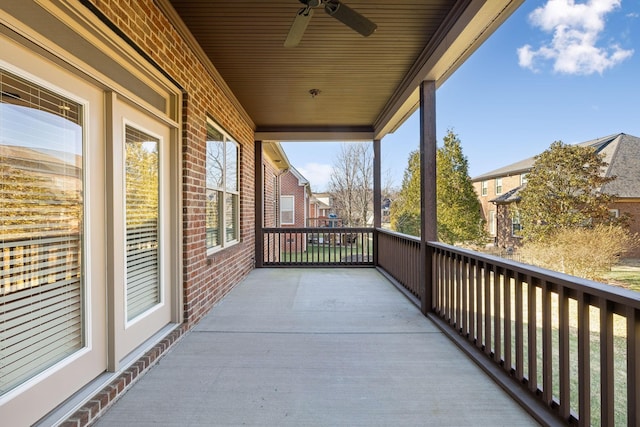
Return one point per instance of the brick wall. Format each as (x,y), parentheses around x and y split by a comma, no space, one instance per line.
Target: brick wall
(291,187)
(206,279)
(630,207)
(271,194)
(508,183)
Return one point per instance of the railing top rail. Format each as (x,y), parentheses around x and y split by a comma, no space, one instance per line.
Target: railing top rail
(589,287)
(317,229)
(396,234)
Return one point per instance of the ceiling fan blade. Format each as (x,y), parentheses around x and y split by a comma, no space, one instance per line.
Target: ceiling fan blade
(298,27)
(350,17)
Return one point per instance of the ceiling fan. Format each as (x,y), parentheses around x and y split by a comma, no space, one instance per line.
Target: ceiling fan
(334,8)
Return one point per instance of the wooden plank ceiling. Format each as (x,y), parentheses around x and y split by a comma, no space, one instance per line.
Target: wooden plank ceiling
(367,85)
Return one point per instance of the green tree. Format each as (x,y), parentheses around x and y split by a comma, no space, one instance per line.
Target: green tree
(562,192)
(458,207)
(405,209)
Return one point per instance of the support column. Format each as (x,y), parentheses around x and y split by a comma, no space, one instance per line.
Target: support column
(428,220)
(377,197)
(259,207)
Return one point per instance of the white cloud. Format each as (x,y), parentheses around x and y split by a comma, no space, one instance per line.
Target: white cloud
(318,175)
(576,28)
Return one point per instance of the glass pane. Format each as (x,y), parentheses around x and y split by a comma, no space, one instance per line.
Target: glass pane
(41,224)
(215,159)
(213,218)
(232,167)
(286,210)
(142,188)
(231,217)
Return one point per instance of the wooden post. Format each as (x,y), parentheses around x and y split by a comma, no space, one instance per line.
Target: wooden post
(377,198)
(259,207)
(428,222)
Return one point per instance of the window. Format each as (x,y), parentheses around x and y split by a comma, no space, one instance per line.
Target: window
(222,203)
(484,188)
(498,185)
(614,213)
(42,280)
(523,178)
(287,216)
(516,227)
(142,219)
(492,223)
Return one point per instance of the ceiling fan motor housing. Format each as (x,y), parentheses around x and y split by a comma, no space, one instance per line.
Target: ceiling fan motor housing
(312,3)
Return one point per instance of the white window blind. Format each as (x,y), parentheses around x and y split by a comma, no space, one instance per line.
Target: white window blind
(142,216)
(41,228)
(287,210)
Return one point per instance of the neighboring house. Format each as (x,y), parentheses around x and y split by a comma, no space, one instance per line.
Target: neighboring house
(274,166)
(321,211)
(498,190)
(294,207)
(294,199)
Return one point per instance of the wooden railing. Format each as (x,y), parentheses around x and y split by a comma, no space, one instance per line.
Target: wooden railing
(569,345)
(311,246)
(572,343)
(399,257)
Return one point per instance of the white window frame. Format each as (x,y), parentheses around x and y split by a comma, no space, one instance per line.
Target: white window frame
(224,191)
(499,185)
(484,188)
(516,225)
(293,210)
(523,178)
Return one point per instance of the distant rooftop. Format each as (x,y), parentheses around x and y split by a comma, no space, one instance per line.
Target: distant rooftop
(621,152)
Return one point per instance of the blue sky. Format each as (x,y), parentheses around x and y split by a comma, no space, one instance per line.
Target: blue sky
(556,70)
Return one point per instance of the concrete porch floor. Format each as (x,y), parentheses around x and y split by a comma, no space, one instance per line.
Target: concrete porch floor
(315,347)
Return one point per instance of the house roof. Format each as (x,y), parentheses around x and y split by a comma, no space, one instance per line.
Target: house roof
(367,86)
(621,152)
(274,153)
(301,179)
(510,196)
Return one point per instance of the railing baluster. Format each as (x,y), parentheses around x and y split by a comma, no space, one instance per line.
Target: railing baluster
(563,348)
(464,265)
(584,362)
(497,318)
(506,286)
(487,310)
(519,327)
(547,356)
(606,364)
(532,334)
(633,367)
(479,296)
(471,313)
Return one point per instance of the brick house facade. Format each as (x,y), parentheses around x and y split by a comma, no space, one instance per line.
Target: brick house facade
(294,207)
(498,190)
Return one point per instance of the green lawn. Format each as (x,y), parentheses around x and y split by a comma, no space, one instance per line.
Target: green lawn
(626,274)
(327,253)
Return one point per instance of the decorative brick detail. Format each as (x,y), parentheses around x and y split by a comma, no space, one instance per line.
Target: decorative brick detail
(101,401)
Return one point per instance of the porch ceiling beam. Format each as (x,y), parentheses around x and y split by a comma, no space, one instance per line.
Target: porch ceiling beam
(338,133)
